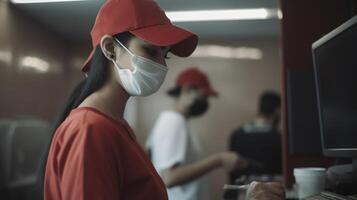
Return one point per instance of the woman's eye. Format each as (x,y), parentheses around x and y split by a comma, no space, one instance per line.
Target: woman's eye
(155,52)
(150,51)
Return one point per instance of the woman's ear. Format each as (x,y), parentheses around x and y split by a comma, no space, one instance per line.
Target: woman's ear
(107,46)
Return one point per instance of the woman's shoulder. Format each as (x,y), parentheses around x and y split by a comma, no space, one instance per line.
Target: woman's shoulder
(86,116)
(90,121)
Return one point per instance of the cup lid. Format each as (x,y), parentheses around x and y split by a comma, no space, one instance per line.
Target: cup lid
(310,171)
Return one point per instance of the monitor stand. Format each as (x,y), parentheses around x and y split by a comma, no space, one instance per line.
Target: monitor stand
(343,178)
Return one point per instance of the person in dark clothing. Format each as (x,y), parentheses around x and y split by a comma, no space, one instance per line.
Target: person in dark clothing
(259,141)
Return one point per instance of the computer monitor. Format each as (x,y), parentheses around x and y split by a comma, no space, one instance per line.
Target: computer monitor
(335,64)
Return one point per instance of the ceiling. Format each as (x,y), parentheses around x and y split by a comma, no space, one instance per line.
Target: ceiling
(74,20)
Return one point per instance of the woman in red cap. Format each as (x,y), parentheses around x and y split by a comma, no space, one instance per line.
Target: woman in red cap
(93,153)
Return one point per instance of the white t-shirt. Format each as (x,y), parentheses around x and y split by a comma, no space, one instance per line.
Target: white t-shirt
(171,143)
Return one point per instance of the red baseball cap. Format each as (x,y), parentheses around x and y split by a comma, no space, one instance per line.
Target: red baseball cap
(196,78)
(144,19)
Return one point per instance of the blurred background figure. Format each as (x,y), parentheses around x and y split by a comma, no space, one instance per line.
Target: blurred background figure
(268,117)
(175,151)
(259,141)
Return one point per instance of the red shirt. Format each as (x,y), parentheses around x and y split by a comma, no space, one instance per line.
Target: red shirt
(93,157)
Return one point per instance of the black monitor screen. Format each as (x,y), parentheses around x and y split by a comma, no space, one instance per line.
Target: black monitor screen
(336,77)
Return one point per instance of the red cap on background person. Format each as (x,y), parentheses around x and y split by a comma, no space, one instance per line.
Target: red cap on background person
(145,20)
(193,77)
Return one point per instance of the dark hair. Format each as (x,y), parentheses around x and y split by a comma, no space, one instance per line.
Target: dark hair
(268,103)
(97,77)
(174,92)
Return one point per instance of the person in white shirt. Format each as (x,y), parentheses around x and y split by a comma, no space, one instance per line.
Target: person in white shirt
(175,152)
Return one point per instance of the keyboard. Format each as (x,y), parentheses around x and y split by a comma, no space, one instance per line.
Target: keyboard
(331,196)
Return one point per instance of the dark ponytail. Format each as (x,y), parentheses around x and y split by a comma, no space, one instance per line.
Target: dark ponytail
(96,78)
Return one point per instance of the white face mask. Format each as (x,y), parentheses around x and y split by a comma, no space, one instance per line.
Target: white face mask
(146,78)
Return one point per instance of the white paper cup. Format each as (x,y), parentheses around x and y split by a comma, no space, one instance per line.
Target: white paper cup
(310,181)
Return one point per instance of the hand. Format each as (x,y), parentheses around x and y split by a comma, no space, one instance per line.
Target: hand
(265,191)
(232,161)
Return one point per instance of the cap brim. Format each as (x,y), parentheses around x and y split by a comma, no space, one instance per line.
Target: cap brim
(85,66)
(182,41)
